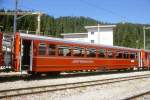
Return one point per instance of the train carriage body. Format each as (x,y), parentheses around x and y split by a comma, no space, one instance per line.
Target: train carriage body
(46,54)
(1,52)
(145,58)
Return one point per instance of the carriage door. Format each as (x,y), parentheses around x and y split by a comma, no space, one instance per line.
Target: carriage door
(147,59)
(146,62)
(26,54)
(139,59)
(31,55)
(142,58)
(1,53)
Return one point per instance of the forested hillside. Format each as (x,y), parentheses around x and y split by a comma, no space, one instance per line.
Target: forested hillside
(131,35)
(125,34)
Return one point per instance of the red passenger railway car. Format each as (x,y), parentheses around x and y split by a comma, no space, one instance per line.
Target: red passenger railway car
(1,51)
(40,54)
(145,58)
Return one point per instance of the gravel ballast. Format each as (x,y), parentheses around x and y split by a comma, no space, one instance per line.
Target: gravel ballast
(31,83)
(113,91)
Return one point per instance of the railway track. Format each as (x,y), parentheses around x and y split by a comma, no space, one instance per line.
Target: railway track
(134,97)
(59,87)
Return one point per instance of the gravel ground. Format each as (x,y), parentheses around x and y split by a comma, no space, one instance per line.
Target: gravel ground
(31,83)
(115,91)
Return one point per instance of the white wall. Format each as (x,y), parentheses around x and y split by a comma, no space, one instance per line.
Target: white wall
(104,36)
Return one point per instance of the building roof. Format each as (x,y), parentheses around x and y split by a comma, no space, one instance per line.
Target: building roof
(89,27)
(100,26)
(73,34)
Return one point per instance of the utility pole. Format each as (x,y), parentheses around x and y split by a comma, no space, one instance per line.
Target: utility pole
(15,17)
(98,33)
(144,28)
(1,28)
(144,36)
(39,22)
(23,14)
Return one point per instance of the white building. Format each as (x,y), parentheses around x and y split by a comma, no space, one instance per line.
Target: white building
(101,34)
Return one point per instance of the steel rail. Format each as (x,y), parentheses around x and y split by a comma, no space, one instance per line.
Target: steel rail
(133,97)
(58,87)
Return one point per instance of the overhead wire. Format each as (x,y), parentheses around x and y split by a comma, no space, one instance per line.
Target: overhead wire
(123,18)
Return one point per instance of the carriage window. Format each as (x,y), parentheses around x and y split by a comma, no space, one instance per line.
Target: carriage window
(42,49)
(149,56)
(64,51)
(91,52)
(101,53)
(126,55)
(119,54)
(132,55)
(136,55)
(78,52)
(51,49)
(110,53)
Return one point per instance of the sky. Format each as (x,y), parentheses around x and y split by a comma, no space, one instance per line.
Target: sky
(114,11)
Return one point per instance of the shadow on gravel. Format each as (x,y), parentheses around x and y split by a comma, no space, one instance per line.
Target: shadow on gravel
(66,75)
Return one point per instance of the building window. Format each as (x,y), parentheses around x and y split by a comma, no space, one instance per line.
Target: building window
(92,33)
(92,41)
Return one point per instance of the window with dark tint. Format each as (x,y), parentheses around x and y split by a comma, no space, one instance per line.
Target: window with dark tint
(110,54)
(64,51)
(52,49)
(119,54)
(132,55)
(92,41)
(136,55)
(149,56)
(91,52)
(78,52)
(125,55)
(101,53)
(42,49)
(92,33)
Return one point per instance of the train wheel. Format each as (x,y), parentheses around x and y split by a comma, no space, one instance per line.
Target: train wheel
(138,69)
(34,74)
(125,69)
(53,73)
(31,73)
(131,69)
(118,70)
